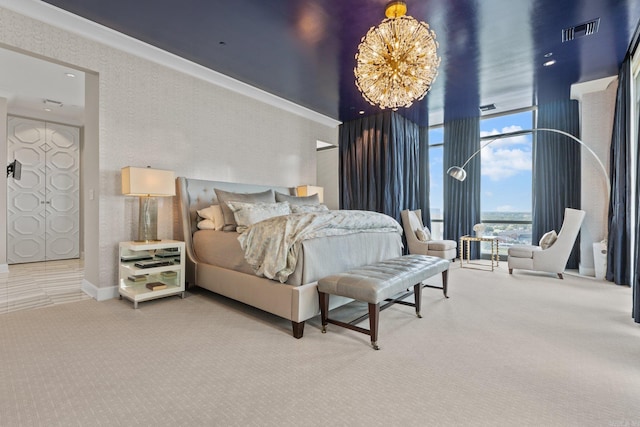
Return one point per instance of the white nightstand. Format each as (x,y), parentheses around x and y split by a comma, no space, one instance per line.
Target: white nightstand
(136,275)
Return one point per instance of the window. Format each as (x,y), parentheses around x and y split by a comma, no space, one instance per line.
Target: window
(436,175)
(506,183)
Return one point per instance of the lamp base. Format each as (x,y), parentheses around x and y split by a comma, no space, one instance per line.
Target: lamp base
(148,220)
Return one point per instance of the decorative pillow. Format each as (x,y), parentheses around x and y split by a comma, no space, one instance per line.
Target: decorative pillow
(423,234)
(548,239)
(313,199)
(213,213)
(247,214)
(207,224)
(309,208)
(228,196)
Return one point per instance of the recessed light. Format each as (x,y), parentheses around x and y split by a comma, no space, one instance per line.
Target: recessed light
(70,75)
(47,109)
(548,55)
(549,63)
(361,112)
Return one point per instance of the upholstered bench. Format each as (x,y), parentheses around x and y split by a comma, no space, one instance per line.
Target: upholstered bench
(387,281)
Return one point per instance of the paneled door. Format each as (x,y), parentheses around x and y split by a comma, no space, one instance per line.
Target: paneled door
(43,205)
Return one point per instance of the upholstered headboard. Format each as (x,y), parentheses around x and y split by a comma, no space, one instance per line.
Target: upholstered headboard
(194,194)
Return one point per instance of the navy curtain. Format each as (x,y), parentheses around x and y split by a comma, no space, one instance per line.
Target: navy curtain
(618,240)
(556,170)
(425,181)
(379,164)
(461,198)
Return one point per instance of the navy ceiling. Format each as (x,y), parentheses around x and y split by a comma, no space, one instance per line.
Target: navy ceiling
(303,50)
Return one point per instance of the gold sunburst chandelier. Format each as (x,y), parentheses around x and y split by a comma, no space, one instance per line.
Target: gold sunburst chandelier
(397,61)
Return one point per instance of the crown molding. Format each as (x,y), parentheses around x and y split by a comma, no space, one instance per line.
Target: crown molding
(75,24)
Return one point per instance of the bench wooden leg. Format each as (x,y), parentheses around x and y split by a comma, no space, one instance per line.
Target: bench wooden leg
(374,314)
(324,310)
(445,282)
(417,295)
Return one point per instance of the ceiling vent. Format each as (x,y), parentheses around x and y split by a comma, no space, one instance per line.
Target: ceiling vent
(581,30)
(487,107)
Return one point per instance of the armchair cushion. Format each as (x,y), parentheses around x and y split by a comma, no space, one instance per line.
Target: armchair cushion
(548,239)
(442,245)
(523,251)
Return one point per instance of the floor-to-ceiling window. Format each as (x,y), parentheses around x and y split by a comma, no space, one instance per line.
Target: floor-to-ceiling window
(506,183)
(506,164)
(436,175)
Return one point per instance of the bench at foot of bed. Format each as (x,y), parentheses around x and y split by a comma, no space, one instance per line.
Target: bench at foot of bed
(382,281)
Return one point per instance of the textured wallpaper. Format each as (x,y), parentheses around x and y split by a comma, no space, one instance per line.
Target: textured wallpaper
(151,115)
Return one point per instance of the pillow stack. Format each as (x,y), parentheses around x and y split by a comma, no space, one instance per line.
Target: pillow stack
(238,211)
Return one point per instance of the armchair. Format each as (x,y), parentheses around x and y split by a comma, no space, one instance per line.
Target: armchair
(412,224)
(554,258)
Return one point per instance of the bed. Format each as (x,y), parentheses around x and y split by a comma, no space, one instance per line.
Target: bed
(224,272)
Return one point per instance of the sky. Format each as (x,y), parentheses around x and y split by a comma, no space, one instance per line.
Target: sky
(506,165)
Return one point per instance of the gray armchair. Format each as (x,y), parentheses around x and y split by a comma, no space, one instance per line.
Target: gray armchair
(412,223)
(554,258)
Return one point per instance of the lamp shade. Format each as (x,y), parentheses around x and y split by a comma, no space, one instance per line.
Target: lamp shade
(309,190)
(147,182)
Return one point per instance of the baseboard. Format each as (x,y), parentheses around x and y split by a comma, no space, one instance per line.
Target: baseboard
(99,294)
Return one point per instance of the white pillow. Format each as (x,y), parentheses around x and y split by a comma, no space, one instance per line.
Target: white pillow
(308,208)
(213,213)
(247,214)
(423,234)
(548,239)
(206,224)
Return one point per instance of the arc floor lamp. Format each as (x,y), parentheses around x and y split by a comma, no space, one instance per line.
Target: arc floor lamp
(460,174)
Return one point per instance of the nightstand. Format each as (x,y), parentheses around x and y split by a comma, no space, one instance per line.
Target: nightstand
(150,270)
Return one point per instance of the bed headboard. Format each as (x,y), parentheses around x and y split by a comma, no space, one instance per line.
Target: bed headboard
(194,194)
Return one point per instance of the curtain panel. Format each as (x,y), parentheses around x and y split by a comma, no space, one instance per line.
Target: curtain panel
(425,180)
(556,170)
(619,221)
(461,198)
(379,164)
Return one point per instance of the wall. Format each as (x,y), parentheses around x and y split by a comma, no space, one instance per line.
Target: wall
(597,106)
(327,176)
(151,114)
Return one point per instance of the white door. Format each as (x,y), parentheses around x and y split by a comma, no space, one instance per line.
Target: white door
(43,206)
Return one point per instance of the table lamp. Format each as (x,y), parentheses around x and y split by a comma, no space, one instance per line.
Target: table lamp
(147,184)
(309,190)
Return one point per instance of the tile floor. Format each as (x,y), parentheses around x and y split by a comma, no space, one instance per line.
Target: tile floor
(35,285)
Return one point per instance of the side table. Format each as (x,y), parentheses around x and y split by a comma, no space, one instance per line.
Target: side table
(468,239)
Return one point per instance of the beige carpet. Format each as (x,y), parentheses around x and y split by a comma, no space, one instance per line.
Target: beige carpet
(521,350)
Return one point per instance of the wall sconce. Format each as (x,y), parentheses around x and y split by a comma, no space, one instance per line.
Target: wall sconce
(309,190)
(147,184)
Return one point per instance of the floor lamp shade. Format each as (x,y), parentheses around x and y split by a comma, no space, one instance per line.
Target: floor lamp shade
(147,184)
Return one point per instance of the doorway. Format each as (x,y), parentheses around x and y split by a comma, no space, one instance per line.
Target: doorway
(47,99)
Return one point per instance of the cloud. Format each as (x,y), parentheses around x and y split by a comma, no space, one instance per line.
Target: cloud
(505,208)
(506,157)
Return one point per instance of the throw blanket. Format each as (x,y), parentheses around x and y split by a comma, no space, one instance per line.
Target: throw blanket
(271,246)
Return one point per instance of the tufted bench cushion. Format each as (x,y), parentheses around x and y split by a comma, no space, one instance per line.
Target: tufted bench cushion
(380,282)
